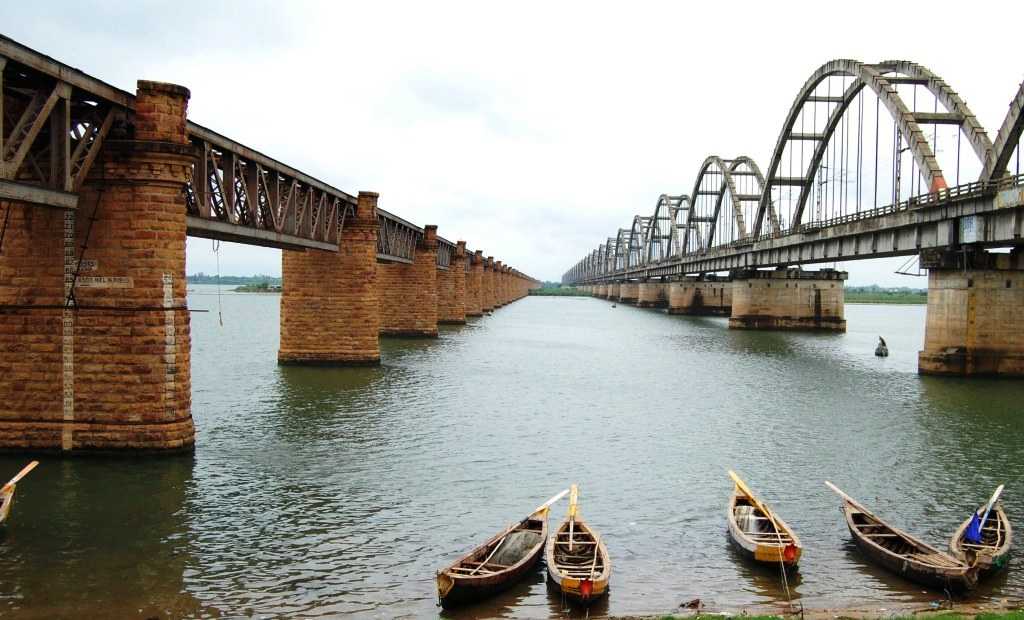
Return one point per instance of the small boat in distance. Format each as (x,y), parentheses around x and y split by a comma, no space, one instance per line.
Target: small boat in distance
(902,553)
(577,559)
(7,491)
(984,539)
(499,562)
(757,532)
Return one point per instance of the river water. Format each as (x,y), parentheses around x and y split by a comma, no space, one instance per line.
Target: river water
(322,492)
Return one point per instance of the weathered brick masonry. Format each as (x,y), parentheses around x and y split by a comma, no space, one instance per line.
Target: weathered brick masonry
(330,312)
(451,289)
(487,285)
(499,284)
(408,292)
(111,370)
(473,284)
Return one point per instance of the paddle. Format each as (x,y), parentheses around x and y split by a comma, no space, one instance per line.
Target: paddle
(973,533)
(21,474)
(574,497)
(542,507)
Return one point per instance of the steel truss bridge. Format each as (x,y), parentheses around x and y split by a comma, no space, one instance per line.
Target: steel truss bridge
(873,160)
(54,120)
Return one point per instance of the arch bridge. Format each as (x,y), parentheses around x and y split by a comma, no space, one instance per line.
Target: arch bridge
(872,160)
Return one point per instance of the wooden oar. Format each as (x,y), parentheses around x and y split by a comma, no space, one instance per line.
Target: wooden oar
(757,503)
(574,497)
(597,552)
(542,507)
(21,474)
(991,503)
(854,503)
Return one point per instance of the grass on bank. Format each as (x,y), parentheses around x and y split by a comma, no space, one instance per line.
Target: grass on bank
(1016,614)
(560,291)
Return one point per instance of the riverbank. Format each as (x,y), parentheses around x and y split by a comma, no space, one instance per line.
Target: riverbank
(955,612)
(563,291)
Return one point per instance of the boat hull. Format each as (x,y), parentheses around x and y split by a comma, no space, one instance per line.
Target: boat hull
(464,592)
(955,579)
(575,589)
(989,563)
(459,589)
(763,552)
(6,501)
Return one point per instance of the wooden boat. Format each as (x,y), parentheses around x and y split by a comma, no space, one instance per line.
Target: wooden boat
(498,563)
(7,491)
(992,554)
(577,559)
(902,553)
(757,532)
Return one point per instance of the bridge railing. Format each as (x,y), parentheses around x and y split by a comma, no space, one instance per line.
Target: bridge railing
(962,192)
(445,252)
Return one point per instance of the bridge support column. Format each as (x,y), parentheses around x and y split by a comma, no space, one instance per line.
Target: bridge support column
(487,286)
(974,325)
(612,291)
(700,297)
(408,292)
(499,284)
(629,292)
(330,310)
(789,299)
(451,289)
(652,295)
(94,326)
(474,307)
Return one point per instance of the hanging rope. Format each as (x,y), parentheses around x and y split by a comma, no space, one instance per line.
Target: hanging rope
(220,309)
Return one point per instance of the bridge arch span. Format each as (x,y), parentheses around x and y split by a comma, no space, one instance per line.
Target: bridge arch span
(882,79)
(1008,139)
(740,180)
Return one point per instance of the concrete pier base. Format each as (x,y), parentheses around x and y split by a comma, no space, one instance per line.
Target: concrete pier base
(652,295)
(700,297)
(629,292)
(788,299)
(974,323)
(612,292)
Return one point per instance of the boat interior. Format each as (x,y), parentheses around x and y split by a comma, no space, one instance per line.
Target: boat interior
(993,535)
(577,553)
(897,544)
(757,526)
(504,552)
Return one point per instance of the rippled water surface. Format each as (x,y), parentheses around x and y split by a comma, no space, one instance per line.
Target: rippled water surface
(321,492)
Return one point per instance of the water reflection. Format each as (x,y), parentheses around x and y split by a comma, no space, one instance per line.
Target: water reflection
(103,537)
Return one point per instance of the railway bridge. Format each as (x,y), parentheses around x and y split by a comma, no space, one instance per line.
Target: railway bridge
(99,189)
(872,160)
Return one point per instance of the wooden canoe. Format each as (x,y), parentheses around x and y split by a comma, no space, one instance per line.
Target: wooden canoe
(498,563)
(577,559)
(903,554)
(993,553)
(757,532)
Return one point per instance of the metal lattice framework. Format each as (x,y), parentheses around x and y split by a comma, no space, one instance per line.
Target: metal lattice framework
(55,120)
(733,205)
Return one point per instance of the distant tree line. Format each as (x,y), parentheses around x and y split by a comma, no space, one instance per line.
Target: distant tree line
(202,278)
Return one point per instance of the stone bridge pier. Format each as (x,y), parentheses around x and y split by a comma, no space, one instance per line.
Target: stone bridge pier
(330,309)
(487,286)
(612,291)
(974,322)
(474,306)
(700,296)
(451,289)
(408,291)
(790,299)
(629,292)
(652,295)
(94,323)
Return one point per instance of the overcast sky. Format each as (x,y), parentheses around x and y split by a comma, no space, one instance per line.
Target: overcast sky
(531,130)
